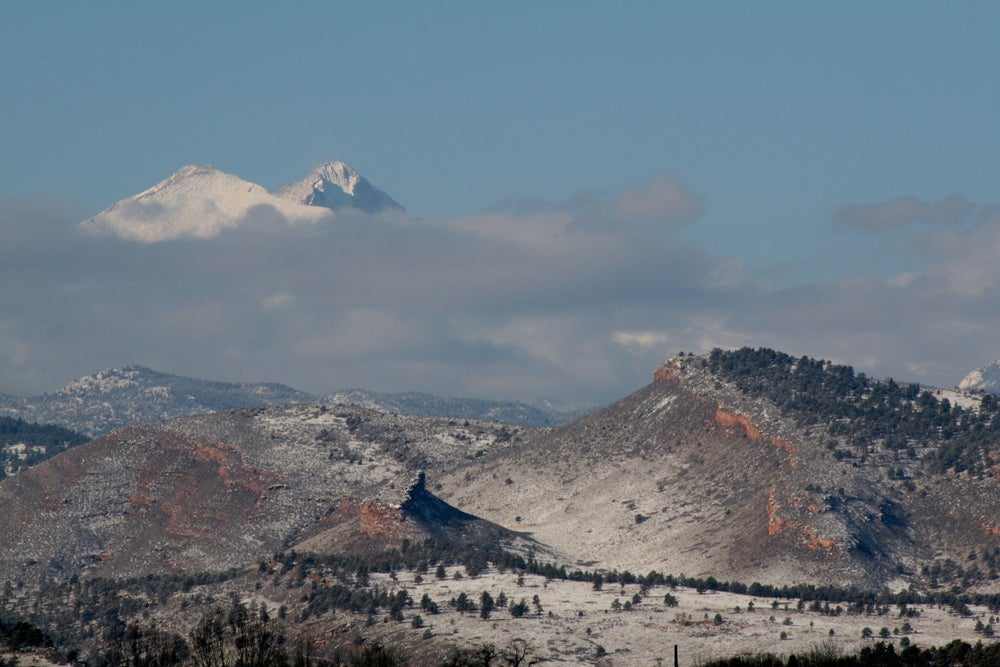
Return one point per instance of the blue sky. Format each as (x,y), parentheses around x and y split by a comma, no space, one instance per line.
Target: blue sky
(821,143)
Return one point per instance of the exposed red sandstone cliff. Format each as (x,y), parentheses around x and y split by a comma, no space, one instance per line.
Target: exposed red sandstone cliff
(666,374)
(731,420)
(380,520)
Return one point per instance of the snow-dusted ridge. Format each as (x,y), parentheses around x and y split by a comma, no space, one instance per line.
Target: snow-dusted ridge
(98,403)
(200,202)
(109,399)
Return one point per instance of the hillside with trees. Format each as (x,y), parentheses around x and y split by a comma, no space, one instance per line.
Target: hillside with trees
(864,413)
(24,444)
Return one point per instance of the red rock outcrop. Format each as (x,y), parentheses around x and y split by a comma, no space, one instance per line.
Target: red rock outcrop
(730,420)
(380,520)
(383,516)
(666,374)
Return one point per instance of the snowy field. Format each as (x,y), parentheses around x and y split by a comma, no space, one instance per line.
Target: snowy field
(579,625)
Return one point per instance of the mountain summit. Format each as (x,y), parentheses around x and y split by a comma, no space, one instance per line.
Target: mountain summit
(109,399)
(200,202)
(335,185)
(197,202)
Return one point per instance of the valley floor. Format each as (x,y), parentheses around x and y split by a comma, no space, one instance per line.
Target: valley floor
(577,625)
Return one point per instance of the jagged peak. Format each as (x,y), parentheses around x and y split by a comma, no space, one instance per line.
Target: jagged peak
(338,173)
(337,185)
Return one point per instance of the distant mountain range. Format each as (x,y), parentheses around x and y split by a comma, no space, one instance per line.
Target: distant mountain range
(201,202)
(99,403)
(519,413)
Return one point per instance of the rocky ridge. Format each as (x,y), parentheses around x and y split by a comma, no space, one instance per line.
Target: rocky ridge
(99,403)
(692,475)
(96,404)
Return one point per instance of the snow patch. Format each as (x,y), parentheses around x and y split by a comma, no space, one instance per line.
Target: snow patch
(967,400)
(664,403)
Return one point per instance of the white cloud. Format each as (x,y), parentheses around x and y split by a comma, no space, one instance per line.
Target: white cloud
(640,339)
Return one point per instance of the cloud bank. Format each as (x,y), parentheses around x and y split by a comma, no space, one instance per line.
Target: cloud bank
(577,301)
(904,211)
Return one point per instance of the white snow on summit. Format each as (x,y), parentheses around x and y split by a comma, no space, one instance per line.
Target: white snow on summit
(197,202)
(335,185)
(985,379)
(200,202)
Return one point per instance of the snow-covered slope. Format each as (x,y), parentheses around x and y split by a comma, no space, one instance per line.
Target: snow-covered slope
(335,185)
(985,379)
(200,202)
(197,202)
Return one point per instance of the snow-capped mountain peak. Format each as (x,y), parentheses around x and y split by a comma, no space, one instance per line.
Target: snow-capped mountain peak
(199,201)
(335,185)
(339,174)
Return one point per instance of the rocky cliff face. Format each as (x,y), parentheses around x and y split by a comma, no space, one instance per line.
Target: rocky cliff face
(383,516)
